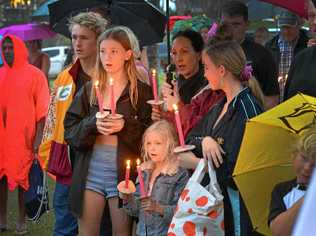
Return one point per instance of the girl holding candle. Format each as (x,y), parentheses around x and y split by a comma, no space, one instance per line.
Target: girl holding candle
(163,179)
(104,144)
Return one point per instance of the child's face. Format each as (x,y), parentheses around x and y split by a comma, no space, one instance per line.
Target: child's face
(113,56)
(303,168)
(156,147)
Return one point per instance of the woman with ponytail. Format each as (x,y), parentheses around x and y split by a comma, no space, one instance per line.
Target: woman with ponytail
(219,134)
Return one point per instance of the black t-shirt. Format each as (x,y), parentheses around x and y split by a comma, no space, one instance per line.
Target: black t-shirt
(188,88)
(283,196)
(82,79)
(264,67)
(302,74)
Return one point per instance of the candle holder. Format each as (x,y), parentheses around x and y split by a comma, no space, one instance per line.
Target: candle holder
(101,115)
(155,102)
(114,116)
(185,148)
(121,187)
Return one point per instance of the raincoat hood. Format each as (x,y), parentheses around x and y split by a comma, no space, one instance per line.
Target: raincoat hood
(19,50)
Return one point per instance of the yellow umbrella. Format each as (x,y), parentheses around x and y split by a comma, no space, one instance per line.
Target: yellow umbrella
(265,154)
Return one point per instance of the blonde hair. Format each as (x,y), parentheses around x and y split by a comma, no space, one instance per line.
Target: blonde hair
(134,42)
(91,20)
(232,57)
(119,34)
(306,145)
(167,130)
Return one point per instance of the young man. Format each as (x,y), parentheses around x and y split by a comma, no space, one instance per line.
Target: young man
(302,72)
(85,29)
(23,107)
(235,13)
(287,197)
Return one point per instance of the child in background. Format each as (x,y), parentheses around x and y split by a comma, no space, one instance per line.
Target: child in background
(164,181)
(287,197)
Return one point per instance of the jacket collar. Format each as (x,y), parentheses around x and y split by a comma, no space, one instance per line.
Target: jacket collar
(74,70)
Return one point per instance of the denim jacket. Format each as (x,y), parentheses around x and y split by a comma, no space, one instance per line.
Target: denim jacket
(166,191)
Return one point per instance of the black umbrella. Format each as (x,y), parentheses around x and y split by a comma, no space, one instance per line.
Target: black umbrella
(146,21)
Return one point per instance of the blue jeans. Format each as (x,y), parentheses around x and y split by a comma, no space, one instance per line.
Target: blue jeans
(65,223)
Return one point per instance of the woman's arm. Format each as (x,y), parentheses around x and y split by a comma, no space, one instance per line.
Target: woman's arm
(79,123)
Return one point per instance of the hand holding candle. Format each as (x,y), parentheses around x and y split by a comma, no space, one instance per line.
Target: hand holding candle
(112,97)
(178,124)
(127,172)
(141,180)
(99,96)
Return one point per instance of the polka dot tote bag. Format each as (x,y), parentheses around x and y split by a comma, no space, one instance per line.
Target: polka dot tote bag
(200,210)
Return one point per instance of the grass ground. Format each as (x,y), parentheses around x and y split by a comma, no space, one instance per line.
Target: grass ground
(45,225)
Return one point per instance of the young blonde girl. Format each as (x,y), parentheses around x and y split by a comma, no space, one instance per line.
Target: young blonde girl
(104,144)
(164,181)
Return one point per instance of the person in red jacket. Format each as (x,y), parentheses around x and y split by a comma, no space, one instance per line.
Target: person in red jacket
(23,107)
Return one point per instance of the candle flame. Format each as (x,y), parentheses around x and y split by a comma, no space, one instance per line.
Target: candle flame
(128,164)
(96,83)
(286,76)
(137,162)
(154,72)
(175,107)
(111,81)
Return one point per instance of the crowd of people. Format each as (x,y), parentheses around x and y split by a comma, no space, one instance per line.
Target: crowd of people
(97,117)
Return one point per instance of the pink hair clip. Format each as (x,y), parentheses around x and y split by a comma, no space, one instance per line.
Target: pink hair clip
(246,74)
(212,30)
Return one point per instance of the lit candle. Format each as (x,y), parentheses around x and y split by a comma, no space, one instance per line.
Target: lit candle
(154,84)
(127,172)
(99,96)
(140,179)
(178,124)
(112,97)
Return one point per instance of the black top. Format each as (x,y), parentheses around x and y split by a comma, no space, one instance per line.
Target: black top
(302,74)
(81,80)
(188,88)
(264,67)
(283,196)
(228,131)
(81,132)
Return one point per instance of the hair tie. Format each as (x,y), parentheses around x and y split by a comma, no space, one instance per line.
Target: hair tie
(212,30)
(246,74)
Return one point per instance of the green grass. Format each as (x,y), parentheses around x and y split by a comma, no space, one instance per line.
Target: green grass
(45,225)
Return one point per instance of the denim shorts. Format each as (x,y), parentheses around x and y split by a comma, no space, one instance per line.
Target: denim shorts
(102,174)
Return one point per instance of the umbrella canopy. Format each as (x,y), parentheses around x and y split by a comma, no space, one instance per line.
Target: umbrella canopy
(29,31)
(146,21)
(42,11)
(265,155)
(296,6)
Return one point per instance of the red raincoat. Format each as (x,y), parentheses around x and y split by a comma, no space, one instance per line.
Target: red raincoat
(24,98)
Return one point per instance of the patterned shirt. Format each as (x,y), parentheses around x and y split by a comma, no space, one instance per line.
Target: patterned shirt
(287,55)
